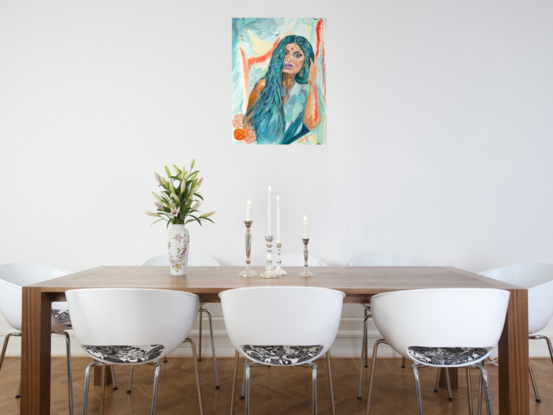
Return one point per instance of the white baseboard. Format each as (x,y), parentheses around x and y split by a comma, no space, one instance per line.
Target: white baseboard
(347,344)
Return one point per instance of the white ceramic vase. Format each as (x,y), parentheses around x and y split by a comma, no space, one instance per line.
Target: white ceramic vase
(178,245)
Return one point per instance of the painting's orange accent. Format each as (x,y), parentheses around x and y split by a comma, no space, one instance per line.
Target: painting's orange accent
(262,58)
(319,31)
(246,70)
(240,134)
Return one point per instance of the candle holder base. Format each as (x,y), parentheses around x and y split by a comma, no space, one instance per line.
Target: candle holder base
(305,273)
(269,274)
(248,272)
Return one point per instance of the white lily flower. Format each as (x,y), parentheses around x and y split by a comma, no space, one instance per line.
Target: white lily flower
(174,212)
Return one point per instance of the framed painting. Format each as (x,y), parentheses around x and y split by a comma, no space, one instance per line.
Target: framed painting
(278,81)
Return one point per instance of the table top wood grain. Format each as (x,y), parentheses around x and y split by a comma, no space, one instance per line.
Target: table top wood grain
(358,283)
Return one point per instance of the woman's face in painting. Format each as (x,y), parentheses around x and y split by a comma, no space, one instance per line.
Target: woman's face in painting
(293,59)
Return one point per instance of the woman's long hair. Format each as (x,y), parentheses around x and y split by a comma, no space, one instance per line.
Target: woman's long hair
(266,116)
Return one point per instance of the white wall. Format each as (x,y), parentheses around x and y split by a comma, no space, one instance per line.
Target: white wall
(439,132)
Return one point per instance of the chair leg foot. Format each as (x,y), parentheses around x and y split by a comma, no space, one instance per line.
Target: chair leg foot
(538,400)
(217,387)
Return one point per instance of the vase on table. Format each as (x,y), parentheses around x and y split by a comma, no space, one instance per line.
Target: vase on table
(178,245)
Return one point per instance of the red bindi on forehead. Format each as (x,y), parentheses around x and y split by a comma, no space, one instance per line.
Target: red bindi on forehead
(291,47)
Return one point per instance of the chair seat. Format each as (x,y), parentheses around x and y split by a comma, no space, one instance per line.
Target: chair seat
(125,354)
(446,356)
(62,317)
(282,355)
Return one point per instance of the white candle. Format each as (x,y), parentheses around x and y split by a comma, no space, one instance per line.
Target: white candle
(278,219)
(305,227)
(248,211)
(269,212)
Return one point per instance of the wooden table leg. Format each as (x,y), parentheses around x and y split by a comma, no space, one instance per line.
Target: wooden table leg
(98,376)
(514,389)
(453,378)
(35,352)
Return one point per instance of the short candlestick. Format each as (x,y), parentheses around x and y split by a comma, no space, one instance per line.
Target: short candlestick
(248,272)
(305,273)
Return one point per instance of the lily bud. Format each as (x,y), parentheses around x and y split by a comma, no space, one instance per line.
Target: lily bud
(193,162)
(200,182)
(207,215)
(167,171)
(156,196)
(176,197)
(197,205)
(158,178)
(163,182)
(155,215)
(177,169)
(182,186)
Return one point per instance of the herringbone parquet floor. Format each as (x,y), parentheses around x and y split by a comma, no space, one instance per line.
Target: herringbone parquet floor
(275,391)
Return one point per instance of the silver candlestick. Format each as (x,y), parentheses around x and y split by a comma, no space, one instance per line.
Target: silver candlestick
(269,269)
(305,273)
(248,272)
(278,268)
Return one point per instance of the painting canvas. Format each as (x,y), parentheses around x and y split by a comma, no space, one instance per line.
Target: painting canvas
(278,81)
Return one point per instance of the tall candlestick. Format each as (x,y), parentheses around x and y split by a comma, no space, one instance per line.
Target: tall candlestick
(269,212)
(278,219)
(248,211)
(305,226)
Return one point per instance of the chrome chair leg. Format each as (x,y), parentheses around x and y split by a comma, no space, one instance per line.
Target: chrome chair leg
(449,396)
(366,339)
(418,386)
(189,340)
(86,384)
(479,409)
(18,394)
(234,378)
(156,383)
(103,390)
(4,348)
(247,377)
(484,374)
(129,390)
(373,365)
(243,394)
(469,390)
(69,376)
(113,378)
(213,348)
(314,380)
(200,335)
(436,387)
(363,355)
(533,381)
(330,382)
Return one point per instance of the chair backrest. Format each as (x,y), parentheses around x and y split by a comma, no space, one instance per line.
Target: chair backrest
(194,260)
(385,260)
(538,279)
(289,260)
(13,277)
(132,317)
(448,317)
(283,316)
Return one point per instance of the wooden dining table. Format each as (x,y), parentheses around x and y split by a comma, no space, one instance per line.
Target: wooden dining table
(358,283)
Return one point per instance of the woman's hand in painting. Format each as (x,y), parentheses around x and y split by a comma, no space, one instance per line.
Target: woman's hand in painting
(312,79)
(311,116)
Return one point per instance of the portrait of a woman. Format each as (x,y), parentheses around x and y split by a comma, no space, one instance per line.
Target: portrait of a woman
(284,103)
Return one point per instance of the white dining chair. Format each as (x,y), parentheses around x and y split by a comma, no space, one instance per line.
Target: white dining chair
(381,260)
(281,326)
(538,279)
(408,321)
(134,327)
(13,277)
(195,259)
(290,260)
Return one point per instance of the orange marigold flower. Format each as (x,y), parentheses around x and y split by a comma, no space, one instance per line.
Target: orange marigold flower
(239,134)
